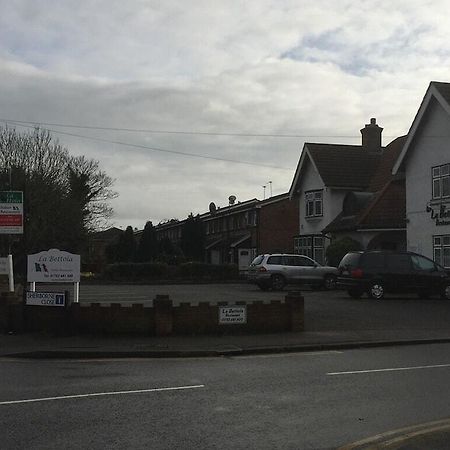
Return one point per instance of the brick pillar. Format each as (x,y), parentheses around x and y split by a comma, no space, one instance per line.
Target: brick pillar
(11,312)
(163,315)
(296,307)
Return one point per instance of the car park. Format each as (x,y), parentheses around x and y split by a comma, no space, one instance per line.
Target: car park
(379,272)
(274,271)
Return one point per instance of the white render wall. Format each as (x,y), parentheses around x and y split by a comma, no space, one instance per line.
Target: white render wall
(332,202)
(431,148)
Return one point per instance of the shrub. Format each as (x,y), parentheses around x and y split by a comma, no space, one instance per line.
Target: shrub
(193,271)
(337,249)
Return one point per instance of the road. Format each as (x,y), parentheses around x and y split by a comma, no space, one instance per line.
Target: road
(290,401)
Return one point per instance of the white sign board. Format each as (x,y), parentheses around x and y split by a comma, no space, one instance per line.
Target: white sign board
(53,266)
(3,266)
(45,299)
(11,212)
(232,314)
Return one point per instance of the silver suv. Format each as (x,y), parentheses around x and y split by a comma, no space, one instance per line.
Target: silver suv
(276,270)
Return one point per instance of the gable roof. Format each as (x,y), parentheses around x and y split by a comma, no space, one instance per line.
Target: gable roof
(339,166)
(436,90)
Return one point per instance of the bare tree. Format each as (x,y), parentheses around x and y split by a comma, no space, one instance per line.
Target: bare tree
(64,196)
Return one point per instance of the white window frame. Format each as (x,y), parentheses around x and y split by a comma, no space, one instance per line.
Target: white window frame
(314,203)
(440,179)
(441,250)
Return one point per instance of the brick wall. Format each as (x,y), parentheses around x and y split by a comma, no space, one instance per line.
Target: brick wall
(161,319)
(278,224)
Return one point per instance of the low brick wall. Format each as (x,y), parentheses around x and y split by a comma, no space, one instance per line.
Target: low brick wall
(161,319)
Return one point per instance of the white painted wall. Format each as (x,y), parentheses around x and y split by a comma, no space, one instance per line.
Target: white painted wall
(332,202)
(431,148)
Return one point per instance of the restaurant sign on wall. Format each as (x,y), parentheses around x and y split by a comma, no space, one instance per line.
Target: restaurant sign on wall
(439,213)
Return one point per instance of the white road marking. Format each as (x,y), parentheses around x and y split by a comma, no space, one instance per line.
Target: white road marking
(99,394)
(289,354)
(393,369)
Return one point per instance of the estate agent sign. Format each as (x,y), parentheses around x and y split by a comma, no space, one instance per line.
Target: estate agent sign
(11,212)
(53,266)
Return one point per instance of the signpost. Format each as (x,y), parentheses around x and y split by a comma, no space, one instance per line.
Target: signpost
(11,222)
(54,266)
(11,212)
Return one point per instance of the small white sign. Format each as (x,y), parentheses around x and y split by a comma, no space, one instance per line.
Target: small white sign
(53,266)
(232,314)
(3,266)
(46,299)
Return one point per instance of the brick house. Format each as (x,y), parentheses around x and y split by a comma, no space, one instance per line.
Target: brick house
(231,233)
(278,224)
(348,190)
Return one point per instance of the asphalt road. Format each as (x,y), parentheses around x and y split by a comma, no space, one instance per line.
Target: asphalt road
(294,401)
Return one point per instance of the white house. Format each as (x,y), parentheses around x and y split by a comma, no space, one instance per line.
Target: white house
(425,160)
(345,190)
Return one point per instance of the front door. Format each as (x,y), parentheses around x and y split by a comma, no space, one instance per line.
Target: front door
(244,258)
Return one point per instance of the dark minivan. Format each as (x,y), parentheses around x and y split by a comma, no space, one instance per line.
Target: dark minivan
(380,272)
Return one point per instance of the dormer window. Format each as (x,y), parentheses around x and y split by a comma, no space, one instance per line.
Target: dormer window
(441,181)
(314,203)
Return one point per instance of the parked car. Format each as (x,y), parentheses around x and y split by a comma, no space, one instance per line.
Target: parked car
(380,272)
(274,271)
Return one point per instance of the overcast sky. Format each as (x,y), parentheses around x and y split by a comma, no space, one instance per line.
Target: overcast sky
(315,69)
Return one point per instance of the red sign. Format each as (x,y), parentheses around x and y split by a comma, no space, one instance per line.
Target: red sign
(11,220)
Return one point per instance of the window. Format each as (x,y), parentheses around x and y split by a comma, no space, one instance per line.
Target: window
(441,181)
(302,246)
(422,264)
(318,250)
(398,263)
(373,262)
(311,246)
(305,262)
(441,250)
(313,206)
(275,260)
(250,218)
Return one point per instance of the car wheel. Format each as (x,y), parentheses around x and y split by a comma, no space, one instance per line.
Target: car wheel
(329,282)
(355,293)
(278,282)
(376,290)
(445,294)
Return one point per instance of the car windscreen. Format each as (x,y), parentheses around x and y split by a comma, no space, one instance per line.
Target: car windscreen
(350,260)
(258,260)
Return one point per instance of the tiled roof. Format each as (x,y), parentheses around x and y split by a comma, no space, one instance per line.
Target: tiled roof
(443,89)
(386,209)
(384,170)
(346,166)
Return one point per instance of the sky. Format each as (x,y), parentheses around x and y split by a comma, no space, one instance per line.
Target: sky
(187,103)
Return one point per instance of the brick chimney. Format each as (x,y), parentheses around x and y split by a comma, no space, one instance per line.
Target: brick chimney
(371,136)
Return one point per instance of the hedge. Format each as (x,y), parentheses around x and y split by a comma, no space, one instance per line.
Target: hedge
(191,271)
